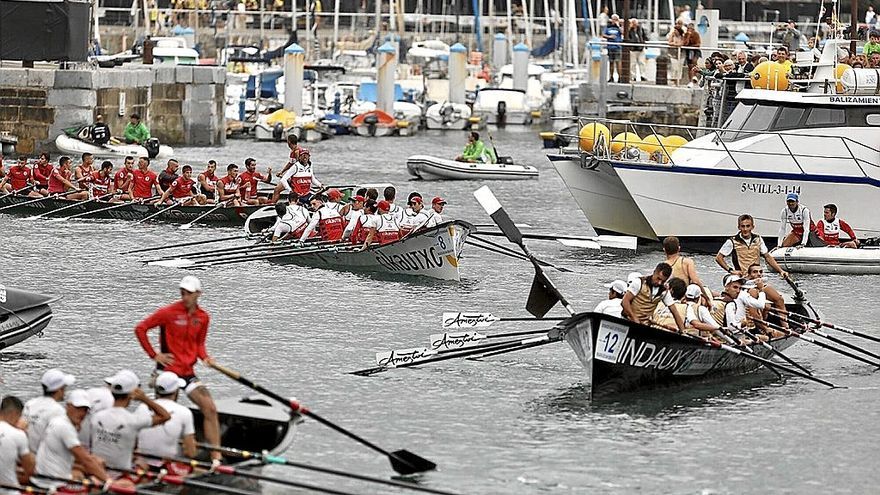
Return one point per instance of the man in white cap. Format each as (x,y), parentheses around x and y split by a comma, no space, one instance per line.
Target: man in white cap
(14,450)
(613,305)
(61,446)
(165,440)
(183,329)
(115,430)
(101,398)
(40,410)
(696,315)
(737,303)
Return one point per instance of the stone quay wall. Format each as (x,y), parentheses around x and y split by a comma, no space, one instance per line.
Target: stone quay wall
(180,104)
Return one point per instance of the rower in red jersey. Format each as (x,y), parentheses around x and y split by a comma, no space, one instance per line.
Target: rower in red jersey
(250,179)
(83,172)
(181,190)
(183,330)
(229,186)
(208,182)
(143,181)
(286,173)
(102,181)
(328,221)
(59,181)
(41,172)
(19,179)
(123,178)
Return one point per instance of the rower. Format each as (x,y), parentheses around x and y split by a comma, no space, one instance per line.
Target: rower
(613,305)
(644,295)
(352,213)
(102,181)
(334,200)
(115,430)
(286,173)
(372,194)
(347,209)
(828,229)
(169,175)
(476,151)
(61,446)
(413,217)
(82,173)
(389,194)
(40,410)
(166,440)
(327,220)
(737,302)
(361,223)
(744,249)
(291,220)
(181,190)
(682,266)
(754,281)
(250,179)
(18,177)
(229,186)
(208,182)
(796,216)
(143,181)
(382,227)
(697,316)
(59,181)
(183,329)
(14,451)
(101,398)
(434,215)
(41,172)
(123,178)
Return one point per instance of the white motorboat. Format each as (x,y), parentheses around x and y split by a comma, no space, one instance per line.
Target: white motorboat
(503,106)
(173,50)
(448,116)
(409,117)
(432,168)
(862,261)
(151,149)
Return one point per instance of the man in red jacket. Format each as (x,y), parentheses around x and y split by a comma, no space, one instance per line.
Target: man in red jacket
(183,328)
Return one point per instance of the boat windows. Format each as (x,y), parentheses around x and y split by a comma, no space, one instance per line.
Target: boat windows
(789,118)
(823,117)
(873,119)
(736,120)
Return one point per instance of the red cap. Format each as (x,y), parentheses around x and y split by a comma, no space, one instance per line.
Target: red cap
(334,194)
(359,198)
(416,199)
(383,205)
(438,201)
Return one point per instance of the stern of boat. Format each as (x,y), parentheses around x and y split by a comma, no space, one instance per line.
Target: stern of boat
(252,424)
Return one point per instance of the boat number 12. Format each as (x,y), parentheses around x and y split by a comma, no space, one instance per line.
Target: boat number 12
(609,341)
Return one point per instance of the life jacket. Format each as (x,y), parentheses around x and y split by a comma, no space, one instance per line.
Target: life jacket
(664,317)
(358,232)
(330,224)
(745,255)
(678,270)
(388,230)
(301,180)
(796,219)
(100,184)
(644,304)
(87,176)
(717,311)
(746,322)
(829,231)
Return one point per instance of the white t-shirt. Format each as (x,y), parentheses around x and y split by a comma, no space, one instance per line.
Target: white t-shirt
(612,307)
(114,434)
(701,315)
(636,285)
(13,446)
(735,311)
(727,247)
(413,220)
(397,211)
(164,440)
(102,398)
(38,412)
(434,219)
(54,457)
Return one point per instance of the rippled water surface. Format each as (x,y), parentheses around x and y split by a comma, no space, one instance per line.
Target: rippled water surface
(519,423)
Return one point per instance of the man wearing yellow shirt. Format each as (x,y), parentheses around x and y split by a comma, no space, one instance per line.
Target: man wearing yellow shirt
(782,57)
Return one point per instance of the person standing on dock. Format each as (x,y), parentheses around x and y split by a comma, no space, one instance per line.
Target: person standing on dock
(613,35)
(135,131)
(183,330)
(744,249)
(799,218)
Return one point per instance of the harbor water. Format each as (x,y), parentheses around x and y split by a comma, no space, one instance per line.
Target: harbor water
(516,424)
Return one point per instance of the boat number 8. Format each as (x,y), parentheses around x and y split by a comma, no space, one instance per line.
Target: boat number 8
(440,242)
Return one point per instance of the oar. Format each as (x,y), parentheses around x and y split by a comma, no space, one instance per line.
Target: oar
(101,210)
(112,488)
(402,461)
(17,191)
(482,320)
(23,489)
(163,210)
(272,459)
(245,249)
(830,325)
(177,480)
(37,200)
(818,343)
(492,225)
(798,293)
(270,255)
(834,339)
(184,244)
(511,253)
(74,204)
(187,226)
(777,352)
(590,242)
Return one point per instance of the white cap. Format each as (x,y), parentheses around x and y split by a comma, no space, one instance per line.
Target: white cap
(79,398)
(633,276)
(618,286)
(55,379)
(191,284)
(123,382)
(168,383)
(693,292)
(729,279)
(101,398)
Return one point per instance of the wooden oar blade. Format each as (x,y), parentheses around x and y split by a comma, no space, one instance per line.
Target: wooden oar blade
(173,263)
(468,320)
(580,243)
(405,462)
(490,203)
(542,296)
(618,241)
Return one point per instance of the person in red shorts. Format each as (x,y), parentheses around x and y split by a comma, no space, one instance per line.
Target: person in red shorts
(183,329)
(229,186)
(250,179)
(181,190)
(19,180)
(60,184)
(41,172)
(143,181)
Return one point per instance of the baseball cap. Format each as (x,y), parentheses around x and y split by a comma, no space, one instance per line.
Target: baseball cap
(190,283)
(123,382)
(438,201)
(334,194)
(79,398)
(383,205)
(633,276)
(749,284)
(101,398)
(729,279)
(54,379)
(416,199)
(791,197)
(168,383)
(693,291)
(618,286)
(359,198)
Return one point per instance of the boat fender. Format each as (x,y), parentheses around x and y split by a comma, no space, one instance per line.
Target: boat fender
(152,147)
(277,131)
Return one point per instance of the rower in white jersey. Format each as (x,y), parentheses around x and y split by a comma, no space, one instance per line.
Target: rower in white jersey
(40,410)
(291,220)
(334,200)
(166,440)
(61,447)
(328,221)
(796,223)
(613,306)
(14,452)
(352,213)
(300,178)
(413,217)
(434,215)
(115,430)
(390,193)
(101,398)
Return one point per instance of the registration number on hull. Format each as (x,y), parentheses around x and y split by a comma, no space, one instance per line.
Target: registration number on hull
(769,188)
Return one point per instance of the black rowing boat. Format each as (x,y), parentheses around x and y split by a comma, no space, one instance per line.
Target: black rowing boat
(22,314)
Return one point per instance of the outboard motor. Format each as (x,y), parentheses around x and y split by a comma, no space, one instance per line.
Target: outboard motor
(446,112)
(502,112)
(337,103)
(371,120)
(278,131)
(152,147)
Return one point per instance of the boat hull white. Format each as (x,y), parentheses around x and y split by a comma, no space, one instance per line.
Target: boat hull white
(441,116)
(367,130)
(433,168)
(865,261)
(73,146)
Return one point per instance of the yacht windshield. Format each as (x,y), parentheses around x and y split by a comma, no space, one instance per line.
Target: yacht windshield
(736,120)
(748,118)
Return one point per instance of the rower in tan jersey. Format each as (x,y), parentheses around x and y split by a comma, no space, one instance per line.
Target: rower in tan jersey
(682,266)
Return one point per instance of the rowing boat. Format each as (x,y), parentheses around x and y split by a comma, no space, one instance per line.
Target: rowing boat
(862,261)
(432,168)
(22,314)
(621,356)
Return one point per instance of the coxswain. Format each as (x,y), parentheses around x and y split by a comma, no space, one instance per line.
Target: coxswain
(476,150)
(14,451)
(352,214)
(41,172)
(328,222)
(682,266)
(744,249)
(434,215)
(143,181)
(183,329)
(100,131)
(828,229)
(644,295)
(229,186)
(169,175)
(135,131)
(82,173)
(414,217)
(60,184)
(613,306)
(181,190)
(178,435)
(102,181)
(208,182)
(40,410)
(300,178)
(292,219)
(61,448)
(115,430)
(18,178)
(382,227)
(389,194)
(250,179)
(292,163)
(123,178)
(795,216)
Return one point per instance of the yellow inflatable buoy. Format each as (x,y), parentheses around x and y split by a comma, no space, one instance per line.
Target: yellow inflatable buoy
(624,140)
(838,73)
(770,75)
(589,135)
(673,142)
(651,143)
(284,117)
